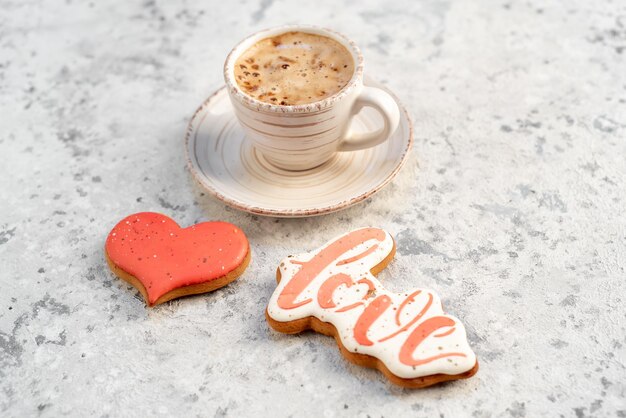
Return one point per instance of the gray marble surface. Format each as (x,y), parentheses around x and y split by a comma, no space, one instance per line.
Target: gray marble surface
(511,207)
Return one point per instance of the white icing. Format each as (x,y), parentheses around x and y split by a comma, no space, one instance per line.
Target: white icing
(387,351)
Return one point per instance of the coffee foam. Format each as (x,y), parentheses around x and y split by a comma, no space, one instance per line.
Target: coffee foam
(294,68)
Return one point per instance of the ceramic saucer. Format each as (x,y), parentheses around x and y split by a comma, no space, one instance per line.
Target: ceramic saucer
(225,164)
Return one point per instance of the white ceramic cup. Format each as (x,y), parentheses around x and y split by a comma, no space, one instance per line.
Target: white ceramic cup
(301,137)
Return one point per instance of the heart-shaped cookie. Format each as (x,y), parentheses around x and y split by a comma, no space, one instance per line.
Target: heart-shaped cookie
(164,261)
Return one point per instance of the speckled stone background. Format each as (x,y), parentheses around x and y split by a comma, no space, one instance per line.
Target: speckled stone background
(511,207)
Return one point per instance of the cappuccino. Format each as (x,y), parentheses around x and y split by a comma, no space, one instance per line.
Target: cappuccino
(294,68)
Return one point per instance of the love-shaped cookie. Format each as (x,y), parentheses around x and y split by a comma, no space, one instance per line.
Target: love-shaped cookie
(333,290)
(164,261)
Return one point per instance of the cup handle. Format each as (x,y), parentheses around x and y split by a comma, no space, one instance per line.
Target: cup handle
(388,109)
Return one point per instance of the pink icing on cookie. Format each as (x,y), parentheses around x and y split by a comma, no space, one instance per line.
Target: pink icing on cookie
(326,256)
(370,314)
(325,295)
(164,257)
(408,332)
(419,334)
